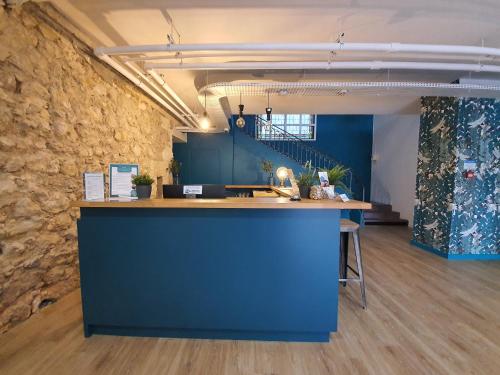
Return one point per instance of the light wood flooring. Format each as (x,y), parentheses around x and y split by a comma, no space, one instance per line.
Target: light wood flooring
(425,315)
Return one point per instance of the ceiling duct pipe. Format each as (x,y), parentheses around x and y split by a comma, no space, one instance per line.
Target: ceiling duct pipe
(184,56)
(360,47)
(337,65)
(178,107)
(171,92)
(128,74)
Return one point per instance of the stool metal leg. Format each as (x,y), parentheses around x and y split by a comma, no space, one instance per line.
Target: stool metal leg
(359,262)
(344,253)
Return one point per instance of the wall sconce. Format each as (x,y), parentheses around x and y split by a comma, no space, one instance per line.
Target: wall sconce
(282,174)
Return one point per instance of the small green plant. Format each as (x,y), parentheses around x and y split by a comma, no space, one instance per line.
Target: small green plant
(336,175)
(308,176)
(174,167)
(142,179)
(266,166)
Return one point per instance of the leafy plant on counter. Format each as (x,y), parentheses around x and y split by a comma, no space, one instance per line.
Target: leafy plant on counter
(174,167)
(142,179)
(336,175)
(266,166)
(308,177)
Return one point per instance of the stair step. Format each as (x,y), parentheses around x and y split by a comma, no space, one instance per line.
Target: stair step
(381,207)
(386,222)
(382,215)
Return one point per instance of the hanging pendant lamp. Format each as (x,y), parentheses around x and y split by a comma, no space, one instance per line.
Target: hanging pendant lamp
(240,122)
(205,121)
(269,110)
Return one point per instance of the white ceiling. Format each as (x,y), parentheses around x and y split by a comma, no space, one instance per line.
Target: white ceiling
(128,22)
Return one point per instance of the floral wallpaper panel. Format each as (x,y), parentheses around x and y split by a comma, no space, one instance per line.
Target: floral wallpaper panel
(453,214)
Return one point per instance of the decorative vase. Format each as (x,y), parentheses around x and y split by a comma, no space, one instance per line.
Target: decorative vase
(304,191)
(317,193)
(270,179)
(143,191)
(176,179)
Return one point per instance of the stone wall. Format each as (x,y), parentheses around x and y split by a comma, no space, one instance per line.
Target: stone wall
(62,112)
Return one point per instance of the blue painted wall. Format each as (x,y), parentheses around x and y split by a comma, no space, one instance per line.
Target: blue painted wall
(454,216)
(349,139)
(226,158)
(208,158)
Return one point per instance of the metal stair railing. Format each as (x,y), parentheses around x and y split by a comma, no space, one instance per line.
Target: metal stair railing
(297,149)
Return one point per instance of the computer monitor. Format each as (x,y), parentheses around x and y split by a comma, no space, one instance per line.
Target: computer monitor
(172,191)
(208,191)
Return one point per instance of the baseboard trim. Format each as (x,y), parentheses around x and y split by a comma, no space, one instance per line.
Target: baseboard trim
(207,334)
(445,255)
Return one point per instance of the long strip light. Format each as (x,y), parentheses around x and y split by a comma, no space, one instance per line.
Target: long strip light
(331,88)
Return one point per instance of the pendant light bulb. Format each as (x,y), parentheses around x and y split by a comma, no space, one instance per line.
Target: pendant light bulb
(240,122)
(205,121)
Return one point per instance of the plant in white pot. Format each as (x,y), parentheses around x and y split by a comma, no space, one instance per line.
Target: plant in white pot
(336,176)
(143,184)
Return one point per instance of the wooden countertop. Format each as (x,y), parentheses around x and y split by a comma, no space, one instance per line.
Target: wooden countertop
(240,203)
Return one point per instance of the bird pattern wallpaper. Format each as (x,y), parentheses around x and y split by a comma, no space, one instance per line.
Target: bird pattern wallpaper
(455,214)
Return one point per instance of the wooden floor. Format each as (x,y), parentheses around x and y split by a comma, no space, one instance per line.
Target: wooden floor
(425,315)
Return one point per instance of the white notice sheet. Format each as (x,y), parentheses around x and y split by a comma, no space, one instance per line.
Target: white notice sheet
(94,186)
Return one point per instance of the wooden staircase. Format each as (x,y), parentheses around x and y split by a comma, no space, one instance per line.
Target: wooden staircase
(382,214)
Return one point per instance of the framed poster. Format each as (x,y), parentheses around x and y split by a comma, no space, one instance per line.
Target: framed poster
(120,179)
(323,179)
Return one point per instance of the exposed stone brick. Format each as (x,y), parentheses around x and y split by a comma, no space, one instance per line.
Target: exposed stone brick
(22,226)
(62,113)
(25,207)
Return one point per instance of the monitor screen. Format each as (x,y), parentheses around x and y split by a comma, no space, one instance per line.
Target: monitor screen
(207,191)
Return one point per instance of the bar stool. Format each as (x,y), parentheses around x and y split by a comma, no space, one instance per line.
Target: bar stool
(346,227)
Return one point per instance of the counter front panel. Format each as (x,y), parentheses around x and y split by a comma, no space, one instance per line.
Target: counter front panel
(266,274)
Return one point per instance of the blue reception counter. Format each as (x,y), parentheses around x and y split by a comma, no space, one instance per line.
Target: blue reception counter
(260,269)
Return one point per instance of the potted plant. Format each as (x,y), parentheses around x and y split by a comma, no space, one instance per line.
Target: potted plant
(143,184)
(306,179)
(175,168)
(267,167)
(336,175)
